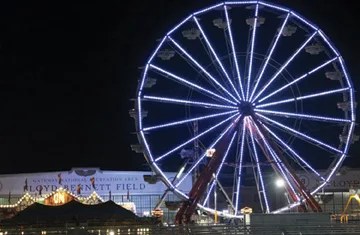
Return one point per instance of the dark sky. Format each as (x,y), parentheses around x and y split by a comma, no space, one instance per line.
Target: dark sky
(69,70)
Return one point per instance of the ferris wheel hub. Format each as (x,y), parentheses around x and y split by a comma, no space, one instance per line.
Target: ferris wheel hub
(246,108)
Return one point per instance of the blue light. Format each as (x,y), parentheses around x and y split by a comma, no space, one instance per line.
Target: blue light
(186,102)
(194,138)
(285,65)
(274,6)
(201,68)
(299,133)
(234,53)
(188,120)
(304,116)
(268,57)
(177,26)
(297,80)
(204,154)
(293,152)
(216,57)
(304,21)
(190,84)
(303,97)
(208,9)
(252,52)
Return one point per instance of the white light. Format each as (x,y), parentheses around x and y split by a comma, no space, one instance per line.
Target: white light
(146,213)
(190,84)
(203,155)
(210,152)
(216,56)
(252,52)
(180,172)
(234,52)
(188,102)
(269,56)
(274,6)
(298,79)
(111,232)
(280,183)
(304,116)
(188,120)
(300,133)
(200,67)
(285,65)
(196,137)
(208,8)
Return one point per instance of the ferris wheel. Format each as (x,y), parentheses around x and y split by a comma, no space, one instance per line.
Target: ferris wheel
(242,94)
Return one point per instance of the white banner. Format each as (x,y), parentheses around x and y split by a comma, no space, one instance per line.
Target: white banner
(85,181)
(344,180)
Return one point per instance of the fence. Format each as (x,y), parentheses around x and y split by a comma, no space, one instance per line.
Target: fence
(220,229)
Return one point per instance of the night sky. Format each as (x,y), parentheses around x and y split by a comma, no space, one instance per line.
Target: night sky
(69,71)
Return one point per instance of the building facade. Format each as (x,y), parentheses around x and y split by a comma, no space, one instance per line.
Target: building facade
(118,186)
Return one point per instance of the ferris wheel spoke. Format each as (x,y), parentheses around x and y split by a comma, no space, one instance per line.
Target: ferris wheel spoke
(186,102)
(216,57)
(303,116)
(252,52)
(285,65)
(188,120)
(240,163)
(234,52)
(196,137)
(298,79)
(190,84)
(202,69)
(268,57)
(293,152)
(299,134)
(219,169)
(210,147)
(280,165)
(323,93)
(263,191)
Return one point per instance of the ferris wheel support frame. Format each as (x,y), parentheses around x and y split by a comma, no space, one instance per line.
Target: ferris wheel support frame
(183,216)
(309,199)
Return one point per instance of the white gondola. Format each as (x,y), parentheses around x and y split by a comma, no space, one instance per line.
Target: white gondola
(191,34)
(345,106)
(220,23)
(137,148)
(353,139)
(288,30)
(251,21)
(314,49)
(150,82)
(166,54)
(133,113)
(335,76)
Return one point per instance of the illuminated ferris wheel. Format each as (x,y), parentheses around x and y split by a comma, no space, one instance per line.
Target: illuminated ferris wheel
(241,94)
